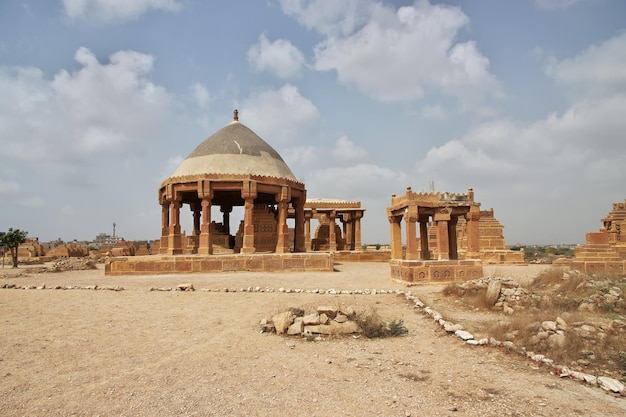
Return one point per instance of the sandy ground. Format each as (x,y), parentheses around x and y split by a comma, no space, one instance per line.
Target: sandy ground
(147,353)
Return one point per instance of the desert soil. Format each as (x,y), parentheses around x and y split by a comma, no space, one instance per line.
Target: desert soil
(149,353)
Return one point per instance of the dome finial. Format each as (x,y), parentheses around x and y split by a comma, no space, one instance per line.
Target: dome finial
(236,115)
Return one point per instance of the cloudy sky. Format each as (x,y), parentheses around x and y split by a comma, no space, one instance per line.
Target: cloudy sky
(525,101)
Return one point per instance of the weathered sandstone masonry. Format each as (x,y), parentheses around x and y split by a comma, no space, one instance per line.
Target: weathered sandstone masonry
(234,167)
(604,251)
(328,235)
(414,264)
(187,264)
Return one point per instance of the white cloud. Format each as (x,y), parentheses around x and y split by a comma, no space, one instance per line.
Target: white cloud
(278,115)
(280,57)
(300,156)
(115,10)
(397,55)
(329,17)
(356,182)
(200,94)
(170,166)
(346,150)
(98,109)
(598,70)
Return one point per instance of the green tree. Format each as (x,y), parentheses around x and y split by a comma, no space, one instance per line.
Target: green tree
(12,240)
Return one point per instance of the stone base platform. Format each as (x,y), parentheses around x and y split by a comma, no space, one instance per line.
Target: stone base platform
(189,264)
(593,266)
(363,256)
(428,272)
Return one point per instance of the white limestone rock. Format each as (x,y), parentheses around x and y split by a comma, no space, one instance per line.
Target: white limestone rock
(610,384)
(282,321)
(464,334)
(493,292)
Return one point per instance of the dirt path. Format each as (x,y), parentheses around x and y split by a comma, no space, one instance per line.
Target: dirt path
(145,353)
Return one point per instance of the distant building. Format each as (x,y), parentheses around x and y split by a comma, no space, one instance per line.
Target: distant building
(107,240)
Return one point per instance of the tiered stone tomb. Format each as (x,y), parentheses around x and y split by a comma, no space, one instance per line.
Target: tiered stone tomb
(604,251)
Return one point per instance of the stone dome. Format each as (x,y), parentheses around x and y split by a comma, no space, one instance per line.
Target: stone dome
(234,150)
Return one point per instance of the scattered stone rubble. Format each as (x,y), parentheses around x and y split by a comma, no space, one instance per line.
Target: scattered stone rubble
(509,296)
(70,264)
(547,329)
(326,320)
(63,287)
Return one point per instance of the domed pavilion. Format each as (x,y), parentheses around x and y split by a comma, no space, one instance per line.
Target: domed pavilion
(233,167)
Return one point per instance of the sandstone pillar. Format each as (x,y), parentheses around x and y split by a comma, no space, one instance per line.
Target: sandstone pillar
(396,236)
(165,226)
(282,241)
(205,246)
(248,226)
(195,209)
(174,246)
(443,246)
(452,238)
(357,231)
(424,249)
(248,193)
(410,217)
(226,209)
(346,222)
(473,235)
(307,230)
(299,233)
(332,235)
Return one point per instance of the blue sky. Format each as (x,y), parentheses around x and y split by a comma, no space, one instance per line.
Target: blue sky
(524,101)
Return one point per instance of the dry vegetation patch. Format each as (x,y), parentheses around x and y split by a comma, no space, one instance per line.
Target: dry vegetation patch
(577,320)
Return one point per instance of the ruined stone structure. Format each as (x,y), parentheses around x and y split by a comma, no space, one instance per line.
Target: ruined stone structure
(493,249)
(233,167)
(31,248)
(604,251)
(68,250)
(415,265)
(328,235)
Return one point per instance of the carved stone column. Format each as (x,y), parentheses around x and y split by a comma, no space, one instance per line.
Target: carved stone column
(424,248)
(205,246)
(452,238)
(282,241)
(396,236)
(174,246)
(307,230)
(332,236)
(248,193)
(226,209)
(473,235)
(346,222)
(195,210)
(165,226)
(357,231)
(443,244)
(300,239)
(410,218)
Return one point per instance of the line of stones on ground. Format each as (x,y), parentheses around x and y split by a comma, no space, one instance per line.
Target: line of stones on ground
(606,383)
